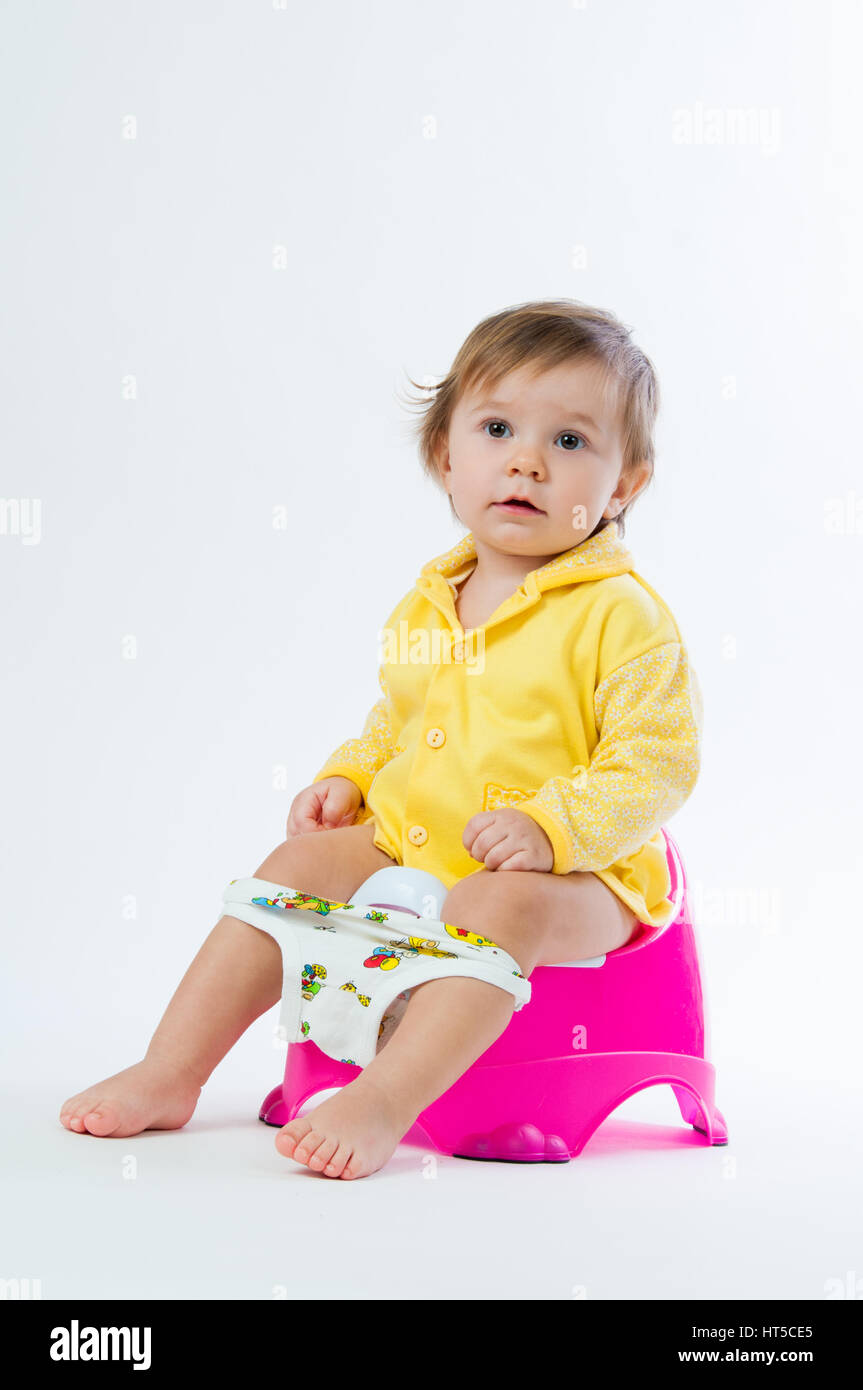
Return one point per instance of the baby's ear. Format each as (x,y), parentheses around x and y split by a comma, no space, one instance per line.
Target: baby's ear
(636,479)
(442,466)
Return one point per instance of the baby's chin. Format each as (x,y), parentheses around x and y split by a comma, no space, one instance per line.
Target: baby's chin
(513,535)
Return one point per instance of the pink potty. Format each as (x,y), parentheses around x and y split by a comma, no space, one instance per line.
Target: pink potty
(595,1032)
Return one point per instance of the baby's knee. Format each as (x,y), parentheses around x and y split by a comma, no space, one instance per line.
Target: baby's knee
(291,861)
(485,892)
(318,863)
(496,907)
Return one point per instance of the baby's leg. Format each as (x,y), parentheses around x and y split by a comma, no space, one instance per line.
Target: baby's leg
(447,1025)
(450,1022)
(235,977)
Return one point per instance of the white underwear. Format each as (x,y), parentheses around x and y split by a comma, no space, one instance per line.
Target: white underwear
(347,970)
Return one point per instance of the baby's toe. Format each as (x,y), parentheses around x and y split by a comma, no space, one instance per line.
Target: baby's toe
(290,1135)
(334,1168)
(101,1120)
(322,1154)
(73,1112)
(69,1109)
(308,1144)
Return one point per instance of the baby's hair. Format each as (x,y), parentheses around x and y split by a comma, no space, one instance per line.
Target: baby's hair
(546,333)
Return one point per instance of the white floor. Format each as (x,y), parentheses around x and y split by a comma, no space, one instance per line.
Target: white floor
(647,1210)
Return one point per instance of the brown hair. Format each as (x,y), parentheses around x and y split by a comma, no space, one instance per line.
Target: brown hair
(546,333)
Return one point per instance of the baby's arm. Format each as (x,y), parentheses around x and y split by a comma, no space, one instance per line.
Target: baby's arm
(649,716)
(360,759)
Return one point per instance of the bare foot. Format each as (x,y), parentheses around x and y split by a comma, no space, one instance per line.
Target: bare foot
(148,1095)
(349,1135)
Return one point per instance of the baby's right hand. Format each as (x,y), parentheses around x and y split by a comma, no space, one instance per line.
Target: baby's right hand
(325,805)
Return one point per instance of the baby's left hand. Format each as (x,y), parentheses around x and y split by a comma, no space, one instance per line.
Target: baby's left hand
(508,839)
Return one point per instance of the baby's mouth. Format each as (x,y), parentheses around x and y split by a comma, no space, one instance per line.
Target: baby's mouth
(517,505)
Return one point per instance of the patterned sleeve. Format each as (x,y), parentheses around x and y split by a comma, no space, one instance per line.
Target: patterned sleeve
(649,716)
(360,759)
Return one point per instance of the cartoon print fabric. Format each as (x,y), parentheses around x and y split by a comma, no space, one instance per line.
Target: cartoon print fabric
(348,969)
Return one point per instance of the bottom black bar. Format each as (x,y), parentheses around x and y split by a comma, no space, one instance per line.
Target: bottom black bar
(71,1336)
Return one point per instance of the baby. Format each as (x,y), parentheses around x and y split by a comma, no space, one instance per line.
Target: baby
(532,779)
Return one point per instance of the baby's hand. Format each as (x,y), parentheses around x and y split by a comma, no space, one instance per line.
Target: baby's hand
(325,805)
(508,839)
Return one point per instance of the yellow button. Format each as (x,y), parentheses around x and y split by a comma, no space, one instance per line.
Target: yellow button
(418,834)
(435,737)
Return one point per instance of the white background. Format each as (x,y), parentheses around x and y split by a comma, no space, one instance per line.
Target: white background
(319,202)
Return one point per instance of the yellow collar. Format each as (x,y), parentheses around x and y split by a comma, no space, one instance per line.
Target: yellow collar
(597,557)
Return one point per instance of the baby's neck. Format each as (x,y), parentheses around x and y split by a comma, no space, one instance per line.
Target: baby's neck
(480,593)
(497,572)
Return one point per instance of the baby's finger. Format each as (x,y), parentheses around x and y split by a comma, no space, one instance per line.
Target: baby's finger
(474,827)
(296,828)
(490,839)
(332,817)
(479,821)
(522,859)
(304,819)
(497,854)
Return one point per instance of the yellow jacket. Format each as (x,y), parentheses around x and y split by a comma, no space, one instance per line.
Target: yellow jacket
(575,702)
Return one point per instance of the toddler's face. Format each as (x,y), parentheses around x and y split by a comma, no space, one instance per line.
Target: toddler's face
(550,438)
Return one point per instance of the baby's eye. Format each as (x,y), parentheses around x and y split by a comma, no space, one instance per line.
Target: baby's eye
(496,422)
(567,434)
